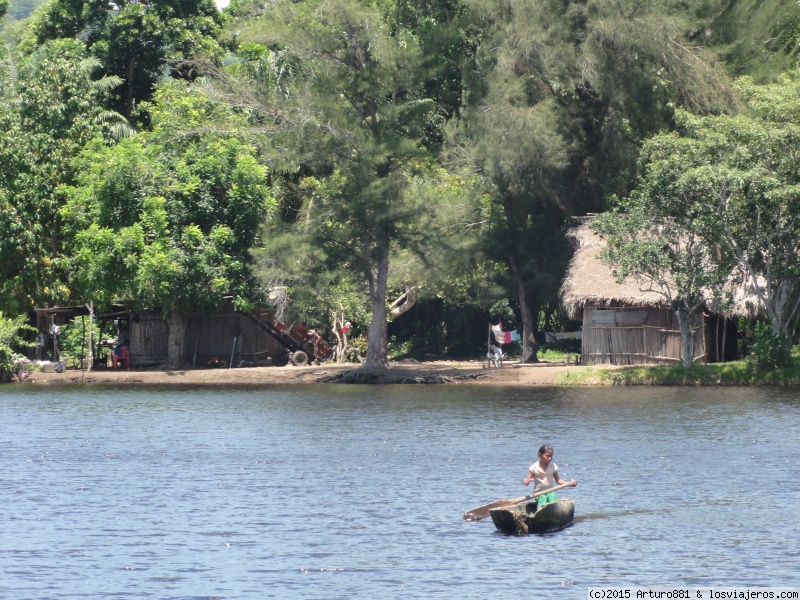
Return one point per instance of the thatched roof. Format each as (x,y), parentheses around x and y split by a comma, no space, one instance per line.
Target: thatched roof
(589,280)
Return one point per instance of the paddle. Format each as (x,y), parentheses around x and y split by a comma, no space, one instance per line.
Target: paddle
(476,514)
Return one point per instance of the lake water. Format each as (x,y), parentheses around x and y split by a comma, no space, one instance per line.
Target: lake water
(358,492)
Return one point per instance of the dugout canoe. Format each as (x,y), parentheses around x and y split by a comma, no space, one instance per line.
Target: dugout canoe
(521,519)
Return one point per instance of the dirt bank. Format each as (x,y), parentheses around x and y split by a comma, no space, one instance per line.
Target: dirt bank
(464,372)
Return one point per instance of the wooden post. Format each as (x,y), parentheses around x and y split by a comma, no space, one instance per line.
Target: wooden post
(341,338)
(233,351)
(196,340)
(57,357)
(644,342)
(90,358)
(724,337)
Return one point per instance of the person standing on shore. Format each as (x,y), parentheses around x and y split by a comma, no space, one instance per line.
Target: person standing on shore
(544,474)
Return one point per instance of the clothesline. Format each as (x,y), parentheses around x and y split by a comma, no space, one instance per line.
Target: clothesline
(506,337)
(563,335)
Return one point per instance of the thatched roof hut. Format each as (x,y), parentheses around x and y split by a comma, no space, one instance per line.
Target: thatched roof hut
(629,323)
(589,280)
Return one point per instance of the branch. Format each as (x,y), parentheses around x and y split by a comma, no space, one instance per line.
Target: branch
(403,304)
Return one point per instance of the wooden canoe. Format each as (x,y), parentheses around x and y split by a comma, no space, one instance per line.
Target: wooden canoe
(522,519)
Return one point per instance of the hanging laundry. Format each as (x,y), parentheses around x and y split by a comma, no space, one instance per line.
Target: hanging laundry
(505,337)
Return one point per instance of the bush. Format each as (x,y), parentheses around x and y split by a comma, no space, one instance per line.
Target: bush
(10,344)
(356,349)
(769,350)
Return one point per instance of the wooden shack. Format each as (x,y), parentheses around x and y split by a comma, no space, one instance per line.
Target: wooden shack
(226,338)
(627,324)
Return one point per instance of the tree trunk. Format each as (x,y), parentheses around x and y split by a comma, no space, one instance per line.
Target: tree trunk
(131,70)
(176,323)
(378,333)
(90,358)
(528,346)
(687,337)
(724,337)
(785,306)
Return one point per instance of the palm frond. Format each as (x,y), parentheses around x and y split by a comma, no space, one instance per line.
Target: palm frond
(89,65)
(108,83)
(119,128)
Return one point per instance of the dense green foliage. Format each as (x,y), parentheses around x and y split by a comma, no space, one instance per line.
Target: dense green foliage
(50,111)
(753,37)
(167,218)
(136,40)
(345,153)
(12,345)
(378,101)
(720,191)
(570,90)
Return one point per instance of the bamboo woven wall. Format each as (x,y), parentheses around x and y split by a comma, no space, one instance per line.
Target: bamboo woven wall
(625,335)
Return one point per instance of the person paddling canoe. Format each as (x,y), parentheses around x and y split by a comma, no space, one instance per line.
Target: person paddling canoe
(544,474)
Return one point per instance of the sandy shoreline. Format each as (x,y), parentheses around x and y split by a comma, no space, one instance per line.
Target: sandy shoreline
(455,372)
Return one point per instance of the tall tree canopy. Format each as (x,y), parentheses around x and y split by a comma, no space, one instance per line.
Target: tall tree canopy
(567,92)
(735,182)
(136,40)
(48,112)
(520,157)
(166,219)
(613,71)
(373,100)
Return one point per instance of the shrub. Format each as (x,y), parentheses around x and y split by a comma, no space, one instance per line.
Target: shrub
(769,350)
(10,344)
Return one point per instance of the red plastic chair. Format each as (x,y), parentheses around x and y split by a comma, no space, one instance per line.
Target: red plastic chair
(124,357)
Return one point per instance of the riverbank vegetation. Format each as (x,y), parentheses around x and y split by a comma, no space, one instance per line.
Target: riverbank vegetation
(409,167)
(12,346)
(740,372)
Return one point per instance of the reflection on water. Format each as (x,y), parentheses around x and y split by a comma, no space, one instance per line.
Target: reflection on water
(340,492)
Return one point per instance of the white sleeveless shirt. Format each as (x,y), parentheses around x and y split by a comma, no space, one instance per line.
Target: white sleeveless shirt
(543,478)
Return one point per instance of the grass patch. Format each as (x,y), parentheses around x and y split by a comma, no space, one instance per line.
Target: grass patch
(741,372)
(554,355)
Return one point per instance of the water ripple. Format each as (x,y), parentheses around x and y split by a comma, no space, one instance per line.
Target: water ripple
(339,492)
